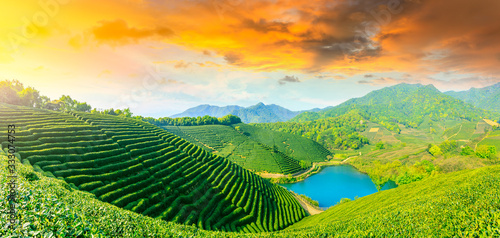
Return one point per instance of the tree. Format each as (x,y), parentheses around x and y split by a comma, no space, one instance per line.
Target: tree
(29,97)
(82,107)
(67,103)
(447,146)
(435,150)
(43,102)
(110,111)
(126,112)
(229,119)
(380,145)
(53,105)
(467,151)
(8,92)
(486,151)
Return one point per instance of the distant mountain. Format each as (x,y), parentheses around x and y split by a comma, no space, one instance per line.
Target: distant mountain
(206,109)
(259,113)
(486,98)
(407,104)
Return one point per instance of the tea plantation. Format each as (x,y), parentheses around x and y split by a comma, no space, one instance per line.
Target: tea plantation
(255,148)
(142,168)
(459,204)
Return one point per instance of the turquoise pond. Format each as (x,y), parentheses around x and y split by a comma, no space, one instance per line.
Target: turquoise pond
(334,183)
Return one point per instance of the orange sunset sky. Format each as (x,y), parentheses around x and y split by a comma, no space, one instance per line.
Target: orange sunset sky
(162,57)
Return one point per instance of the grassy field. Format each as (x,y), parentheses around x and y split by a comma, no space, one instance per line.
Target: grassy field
(140,167)
(462,204)
(254,148)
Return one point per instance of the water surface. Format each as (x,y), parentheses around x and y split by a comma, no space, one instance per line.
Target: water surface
(334,183)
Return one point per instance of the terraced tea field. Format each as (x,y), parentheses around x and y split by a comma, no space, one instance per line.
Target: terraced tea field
(140,167)
(294,146)
(254,148)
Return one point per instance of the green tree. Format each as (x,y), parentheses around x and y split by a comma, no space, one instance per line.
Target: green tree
(82,107)
(68,104)
(229,119)
(448,146)
(29,97)
(467,151)
(9,92)
(43,101)
(380,145)
(304,164)
(486,151)
(435,150)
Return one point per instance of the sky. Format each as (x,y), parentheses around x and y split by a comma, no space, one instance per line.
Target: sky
(159,58)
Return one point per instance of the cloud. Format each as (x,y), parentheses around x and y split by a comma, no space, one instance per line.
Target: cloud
(207,53)
(118,31)
(369,76)
(328,76)
(383,81)
(447,35)
(181,64)
(346,37)
(288,79)
(208,64)
(233,58)
(264,26)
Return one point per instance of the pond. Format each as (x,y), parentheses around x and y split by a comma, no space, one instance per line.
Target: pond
(334,183)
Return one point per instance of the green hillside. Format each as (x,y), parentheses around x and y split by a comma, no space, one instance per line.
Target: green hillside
(253,148)
(341,132)
(487,98)
(403,156)
(462,204)
(140,167)
(403,104)
(294,146)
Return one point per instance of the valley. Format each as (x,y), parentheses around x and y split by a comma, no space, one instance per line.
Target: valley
(220,177)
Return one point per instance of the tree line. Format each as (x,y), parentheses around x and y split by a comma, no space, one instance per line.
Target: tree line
(191,121)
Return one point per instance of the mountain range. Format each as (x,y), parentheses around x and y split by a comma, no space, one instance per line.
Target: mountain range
(258,113)
(406,104)
(486,98)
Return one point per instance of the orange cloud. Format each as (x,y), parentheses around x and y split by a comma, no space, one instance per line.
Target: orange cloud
(344,37)
(119,32)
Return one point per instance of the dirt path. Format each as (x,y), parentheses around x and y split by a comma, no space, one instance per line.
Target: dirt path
(484,137)
(455,133)
(310,209)
(270,175)
(303,172)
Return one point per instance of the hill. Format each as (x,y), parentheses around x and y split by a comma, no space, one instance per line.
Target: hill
(409,105)
(254,148)
(487,98)
(463,203)
(389,133)
(143,168)
(205,109)
(457,204)
(341,132)
(253,114)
